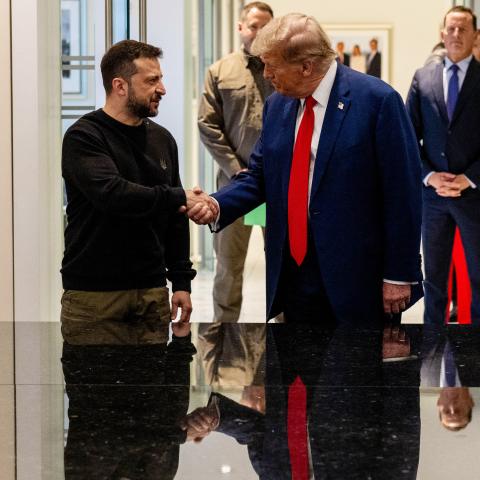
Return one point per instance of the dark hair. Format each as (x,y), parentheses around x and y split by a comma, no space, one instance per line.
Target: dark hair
(461,9)
(118,60)
(264,7)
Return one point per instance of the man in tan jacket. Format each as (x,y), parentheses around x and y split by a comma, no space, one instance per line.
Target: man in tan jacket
(230,120)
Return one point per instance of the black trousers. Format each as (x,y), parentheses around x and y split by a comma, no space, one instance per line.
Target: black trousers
(303,293)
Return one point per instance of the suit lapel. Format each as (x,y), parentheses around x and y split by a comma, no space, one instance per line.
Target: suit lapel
(472,78)
(287,130)
(437,87)
(337,108)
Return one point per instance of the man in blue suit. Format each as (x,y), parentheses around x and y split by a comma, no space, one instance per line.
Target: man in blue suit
(444,105)
(338,167)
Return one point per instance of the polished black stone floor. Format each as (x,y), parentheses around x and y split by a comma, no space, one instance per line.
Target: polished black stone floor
(246,401)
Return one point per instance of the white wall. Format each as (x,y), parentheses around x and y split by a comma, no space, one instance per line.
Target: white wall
(416,25)
(6,243)
(38,225)
(36,155)
(7,398)
(7,432)
(165,29)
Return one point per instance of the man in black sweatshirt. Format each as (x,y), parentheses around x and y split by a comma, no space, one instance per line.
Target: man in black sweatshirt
(126,234)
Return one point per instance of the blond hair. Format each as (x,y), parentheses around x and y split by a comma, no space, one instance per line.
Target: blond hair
(296,37)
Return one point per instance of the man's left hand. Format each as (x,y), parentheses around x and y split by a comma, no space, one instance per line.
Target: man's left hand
(182,300)
(395,297)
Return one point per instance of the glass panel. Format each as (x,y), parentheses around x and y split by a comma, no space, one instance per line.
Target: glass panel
(207,170)
(80,48)
(120,20)
(217,35)
(78,58)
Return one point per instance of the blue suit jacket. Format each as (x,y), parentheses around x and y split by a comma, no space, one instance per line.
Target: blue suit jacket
(447,146)
(365,204)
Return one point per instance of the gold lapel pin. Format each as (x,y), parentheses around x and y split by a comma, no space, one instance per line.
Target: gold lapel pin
(340,105)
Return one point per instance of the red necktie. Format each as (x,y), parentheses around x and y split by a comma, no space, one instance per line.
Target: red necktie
(298,186)
(297,429)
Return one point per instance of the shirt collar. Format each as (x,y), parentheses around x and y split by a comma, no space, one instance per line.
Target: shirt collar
(251,61)
(245,56)
(322,93)
(462,64)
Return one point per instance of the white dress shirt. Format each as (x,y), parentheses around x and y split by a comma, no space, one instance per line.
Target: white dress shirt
(461,72)
(321,95)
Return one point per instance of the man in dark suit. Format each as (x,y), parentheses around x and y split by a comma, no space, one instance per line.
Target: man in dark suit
(338,166)
(343,58)
(374,60)
(444,105)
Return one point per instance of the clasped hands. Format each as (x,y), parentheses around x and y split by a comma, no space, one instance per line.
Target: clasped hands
(448,184)
(200,207)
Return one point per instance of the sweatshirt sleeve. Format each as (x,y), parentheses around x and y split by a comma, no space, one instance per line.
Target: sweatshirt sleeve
(88,166)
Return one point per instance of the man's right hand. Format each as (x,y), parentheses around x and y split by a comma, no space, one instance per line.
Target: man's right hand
(445,184)
(200,208)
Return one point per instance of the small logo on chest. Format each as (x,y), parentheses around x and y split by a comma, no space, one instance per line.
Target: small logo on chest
(163,163)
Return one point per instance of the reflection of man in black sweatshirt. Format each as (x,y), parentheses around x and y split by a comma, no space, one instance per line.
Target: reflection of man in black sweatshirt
(125,235)
(126,403)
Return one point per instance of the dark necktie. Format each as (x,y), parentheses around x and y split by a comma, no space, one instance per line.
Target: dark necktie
(450,367)
(452,94)
(298,185)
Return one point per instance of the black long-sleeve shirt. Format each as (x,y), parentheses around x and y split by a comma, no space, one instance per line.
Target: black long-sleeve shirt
(124,190)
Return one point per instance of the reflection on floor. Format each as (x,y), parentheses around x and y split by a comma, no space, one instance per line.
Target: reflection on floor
(245,401)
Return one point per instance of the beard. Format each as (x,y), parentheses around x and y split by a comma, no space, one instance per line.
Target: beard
(141,108)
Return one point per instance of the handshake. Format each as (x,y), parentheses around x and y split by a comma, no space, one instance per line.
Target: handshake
(200,207)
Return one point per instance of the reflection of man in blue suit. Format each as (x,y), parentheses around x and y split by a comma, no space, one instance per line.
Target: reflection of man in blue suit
(444,104)
(353,231)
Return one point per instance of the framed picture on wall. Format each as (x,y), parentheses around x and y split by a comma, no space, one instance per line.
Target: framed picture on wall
(71,41)
(365,48)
